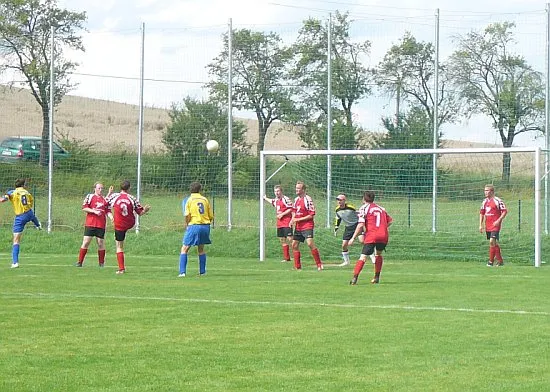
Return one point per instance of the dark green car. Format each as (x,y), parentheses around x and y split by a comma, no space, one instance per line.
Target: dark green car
(26,148)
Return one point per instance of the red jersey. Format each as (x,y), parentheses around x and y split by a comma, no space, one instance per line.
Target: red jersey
(98,203)
(304,206)
(282,205)
(124,207)
(492,209)
(376,221)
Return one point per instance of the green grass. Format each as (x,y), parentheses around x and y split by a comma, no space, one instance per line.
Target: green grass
(259,326)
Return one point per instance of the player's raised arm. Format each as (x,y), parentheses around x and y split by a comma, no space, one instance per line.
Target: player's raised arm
(145,210)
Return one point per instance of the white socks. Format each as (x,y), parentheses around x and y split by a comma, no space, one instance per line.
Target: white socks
(345,256)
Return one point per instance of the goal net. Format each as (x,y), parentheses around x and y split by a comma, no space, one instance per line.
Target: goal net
(435,212)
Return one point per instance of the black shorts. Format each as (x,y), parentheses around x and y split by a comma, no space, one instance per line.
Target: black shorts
(368,249)
(120,235)
(90,231)
(283,232)
(492,234)
(348,232)
(301,235)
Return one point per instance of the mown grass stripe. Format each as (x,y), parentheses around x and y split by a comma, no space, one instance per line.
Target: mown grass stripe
(274,303)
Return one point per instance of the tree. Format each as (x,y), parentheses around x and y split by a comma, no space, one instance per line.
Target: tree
(350,79)
(25,42)
(259,77)
(412,130)
(193,123)
(407,72)
(495,82)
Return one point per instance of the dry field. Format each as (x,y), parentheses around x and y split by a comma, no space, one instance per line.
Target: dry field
(106,124)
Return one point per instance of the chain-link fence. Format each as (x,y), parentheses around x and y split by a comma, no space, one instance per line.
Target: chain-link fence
(100,132)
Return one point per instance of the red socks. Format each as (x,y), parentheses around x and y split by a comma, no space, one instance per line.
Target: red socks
(82,255)
(316,257)
(286,252)
(378,261)
(497,253)
(358,267)
(297,262)
(100,254)
(120,260)
(492,253)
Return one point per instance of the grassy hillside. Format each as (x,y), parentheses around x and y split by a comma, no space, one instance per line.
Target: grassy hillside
(105,123)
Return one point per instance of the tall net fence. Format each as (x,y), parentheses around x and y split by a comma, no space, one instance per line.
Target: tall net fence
(97,124)
(444,228)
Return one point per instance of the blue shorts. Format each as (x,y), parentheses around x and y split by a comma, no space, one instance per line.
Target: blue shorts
(197,235)
(21,220)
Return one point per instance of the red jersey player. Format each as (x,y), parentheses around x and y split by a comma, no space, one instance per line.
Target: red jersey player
(374,220)
(283,209)
(493,212)
(303,213)
(124,207)
(96,208)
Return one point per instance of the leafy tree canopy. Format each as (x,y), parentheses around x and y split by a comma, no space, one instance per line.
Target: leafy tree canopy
(193,123)
(259,76)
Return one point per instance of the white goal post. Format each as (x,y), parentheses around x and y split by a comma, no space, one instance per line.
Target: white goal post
(478,158)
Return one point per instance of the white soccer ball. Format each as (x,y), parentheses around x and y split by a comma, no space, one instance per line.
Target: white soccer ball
(212,146)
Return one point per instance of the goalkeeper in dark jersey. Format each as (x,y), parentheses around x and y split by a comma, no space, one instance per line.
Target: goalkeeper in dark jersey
(346,213)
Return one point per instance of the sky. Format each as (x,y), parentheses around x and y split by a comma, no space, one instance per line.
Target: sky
(182,37)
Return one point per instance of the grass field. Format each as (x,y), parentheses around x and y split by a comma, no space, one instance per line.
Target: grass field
(260,326)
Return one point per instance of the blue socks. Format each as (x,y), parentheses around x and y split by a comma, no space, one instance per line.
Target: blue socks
(15,253)
(183,263)
(202,264)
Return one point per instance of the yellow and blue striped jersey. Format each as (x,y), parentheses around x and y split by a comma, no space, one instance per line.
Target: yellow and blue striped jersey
(21,199)
(197,209)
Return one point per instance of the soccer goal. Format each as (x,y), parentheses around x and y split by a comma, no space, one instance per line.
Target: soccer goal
(433,195)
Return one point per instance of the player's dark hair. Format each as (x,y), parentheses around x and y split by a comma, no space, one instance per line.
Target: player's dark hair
(125,185)
(19,182)
(195,187)
(302,184)
(368,196)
